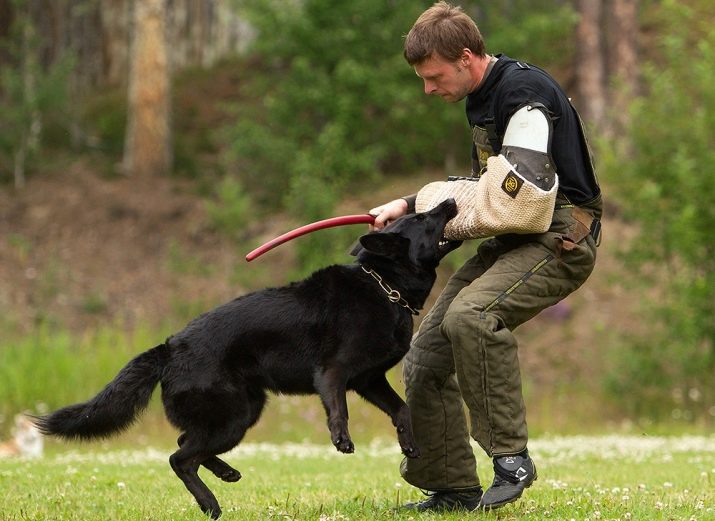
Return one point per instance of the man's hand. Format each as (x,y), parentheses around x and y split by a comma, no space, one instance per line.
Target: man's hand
(387,213)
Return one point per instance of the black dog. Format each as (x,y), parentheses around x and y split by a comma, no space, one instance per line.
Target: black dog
(342,328)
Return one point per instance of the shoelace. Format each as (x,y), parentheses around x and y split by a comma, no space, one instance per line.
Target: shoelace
(500,480)
(503,476)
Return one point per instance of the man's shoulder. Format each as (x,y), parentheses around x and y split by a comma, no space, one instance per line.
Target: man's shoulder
(519,78)
(521,71)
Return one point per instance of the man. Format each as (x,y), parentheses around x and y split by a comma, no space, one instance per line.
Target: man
(465,348)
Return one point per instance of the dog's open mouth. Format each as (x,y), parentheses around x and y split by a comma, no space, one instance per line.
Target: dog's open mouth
(445,246)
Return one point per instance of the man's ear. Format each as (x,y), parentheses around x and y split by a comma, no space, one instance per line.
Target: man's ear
(386,244)
(466,57)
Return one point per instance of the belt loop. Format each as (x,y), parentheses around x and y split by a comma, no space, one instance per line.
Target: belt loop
(596,231)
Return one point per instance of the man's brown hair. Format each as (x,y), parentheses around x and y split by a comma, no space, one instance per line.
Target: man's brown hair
(443,29)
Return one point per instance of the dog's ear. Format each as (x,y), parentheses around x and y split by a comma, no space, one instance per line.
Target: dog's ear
(387,244)
(355,248)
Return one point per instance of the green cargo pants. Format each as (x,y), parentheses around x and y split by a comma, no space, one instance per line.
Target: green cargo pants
(465,351)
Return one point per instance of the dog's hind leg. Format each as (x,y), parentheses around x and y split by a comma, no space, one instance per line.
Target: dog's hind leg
(185,462)
(201,442)
(217,466)
(199,447)
(377,391)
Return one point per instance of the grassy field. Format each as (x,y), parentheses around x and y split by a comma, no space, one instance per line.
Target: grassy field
(581,478)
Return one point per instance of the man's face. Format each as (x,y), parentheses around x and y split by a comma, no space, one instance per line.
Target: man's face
(449,80)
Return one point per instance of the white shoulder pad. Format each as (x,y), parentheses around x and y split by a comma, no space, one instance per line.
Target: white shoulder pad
(528,128)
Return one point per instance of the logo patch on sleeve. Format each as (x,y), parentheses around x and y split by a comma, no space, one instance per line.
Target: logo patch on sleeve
(511,185)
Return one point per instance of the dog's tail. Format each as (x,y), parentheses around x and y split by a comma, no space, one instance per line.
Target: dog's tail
(116,406)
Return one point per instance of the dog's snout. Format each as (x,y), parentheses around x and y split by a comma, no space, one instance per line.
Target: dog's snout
(452,210)
(448,206)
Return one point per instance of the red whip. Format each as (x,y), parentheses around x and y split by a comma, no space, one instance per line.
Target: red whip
(308,228)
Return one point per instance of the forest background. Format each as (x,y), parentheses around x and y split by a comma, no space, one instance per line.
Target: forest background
(147,145)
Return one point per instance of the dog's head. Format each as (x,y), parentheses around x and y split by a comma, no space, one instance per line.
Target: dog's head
(416,240)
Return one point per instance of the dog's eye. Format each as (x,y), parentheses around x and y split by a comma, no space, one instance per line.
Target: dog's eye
(420,216)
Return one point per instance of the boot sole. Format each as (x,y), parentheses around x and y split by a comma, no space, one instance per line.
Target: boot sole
(494,506)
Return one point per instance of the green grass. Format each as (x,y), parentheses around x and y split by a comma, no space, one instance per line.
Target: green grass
(49,369)
(581,478)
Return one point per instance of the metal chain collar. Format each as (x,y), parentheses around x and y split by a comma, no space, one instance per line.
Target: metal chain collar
(392,294)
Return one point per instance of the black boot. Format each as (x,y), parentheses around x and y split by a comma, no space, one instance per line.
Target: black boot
(448,500)
(512,474)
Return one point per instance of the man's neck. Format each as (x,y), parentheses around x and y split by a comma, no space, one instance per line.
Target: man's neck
(481,66)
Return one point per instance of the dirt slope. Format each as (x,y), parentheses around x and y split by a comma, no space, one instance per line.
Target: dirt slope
(80,251)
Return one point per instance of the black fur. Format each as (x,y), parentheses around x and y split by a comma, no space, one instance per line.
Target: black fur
(334,331)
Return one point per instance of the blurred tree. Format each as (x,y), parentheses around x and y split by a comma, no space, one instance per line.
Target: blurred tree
(31,94)
(96,32)
(606,64)
(624,31)
(590,62)
(335,102)
(148,139)
(666,186)
(537,31)
(339,105)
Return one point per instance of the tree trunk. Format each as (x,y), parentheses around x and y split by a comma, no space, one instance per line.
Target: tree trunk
(147,149)
(624,57)
(590,63)
(115,18)
(31,123)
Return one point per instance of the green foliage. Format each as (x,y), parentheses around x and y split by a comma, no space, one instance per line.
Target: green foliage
(233,209)
(670,194)
(105,118)
(342,106)
(94,304)
(51,368)
(337,107)
(538,31)
(31,98)
(182,262)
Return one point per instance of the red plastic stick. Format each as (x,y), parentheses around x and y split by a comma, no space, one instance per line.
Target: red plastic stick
(319,225)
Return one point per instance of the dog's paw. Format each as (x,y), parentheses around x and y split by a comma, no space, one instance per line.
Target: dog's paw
(344,445)
(411,452)
(230,476)
(211,509)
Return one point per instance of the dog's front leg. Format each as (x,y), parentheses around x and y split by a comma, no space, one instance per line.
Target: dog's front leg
(377,391)
(330,384)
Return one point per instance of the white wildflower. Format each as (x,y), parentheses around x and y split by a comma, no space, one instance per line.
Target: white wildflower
(333,517)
